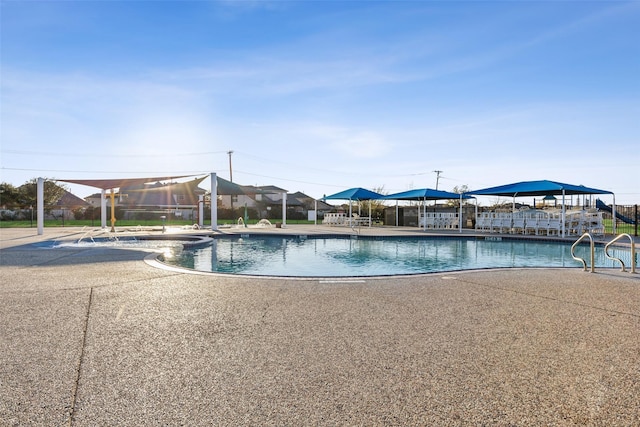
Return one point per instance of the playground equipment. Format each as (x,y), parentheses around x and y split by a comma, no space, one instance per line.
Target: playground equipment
(600,205)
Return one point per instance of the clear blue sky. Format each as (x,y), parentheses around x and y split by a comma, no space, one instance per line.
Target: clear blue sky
(326,95)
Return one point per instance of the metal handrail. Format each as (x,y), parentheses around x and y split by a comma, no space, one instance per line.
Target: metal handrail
(633,252)
(592,248)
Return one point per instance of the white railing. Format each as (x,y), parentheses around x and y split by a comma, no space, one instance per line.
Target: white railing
(592,252)
(632,249)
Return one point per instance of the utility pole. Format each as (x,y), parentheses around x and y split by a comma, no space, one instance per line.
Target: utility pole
(437,177)
(230,152)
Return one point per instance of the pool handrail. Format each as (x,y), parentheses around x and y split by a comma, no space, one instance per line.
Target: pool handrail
(633,251)
(592,250)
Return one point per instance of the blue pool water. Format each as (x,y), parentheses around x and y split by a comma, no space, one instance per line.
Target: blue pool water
(355,257)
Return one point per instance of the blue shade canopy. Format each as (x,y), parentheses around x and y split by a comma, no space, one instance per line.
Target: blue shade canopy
(537,188)
(425,194)
(355,194)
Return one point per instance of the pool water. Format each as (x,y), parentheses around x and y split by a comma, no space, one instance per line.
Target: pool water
(293,256)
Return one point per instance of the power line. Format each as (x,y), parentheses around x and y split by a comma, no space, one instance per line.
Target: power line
(103,155)
(291,180)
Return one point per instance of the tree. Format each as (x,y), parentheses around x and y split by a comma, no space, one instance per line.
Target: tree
(377,206)
(458,190)
(29,193)
(9,195)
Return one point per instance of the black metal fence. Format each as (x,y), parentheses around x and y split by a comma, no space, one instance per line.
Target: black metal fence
(626,219)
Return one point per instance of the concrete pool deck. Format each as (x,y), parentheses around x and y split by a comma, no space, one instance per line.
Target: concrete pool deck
(96,336)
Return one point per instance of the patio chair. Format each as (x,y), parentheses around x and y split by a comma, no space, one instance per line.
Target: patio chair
(428,221)
(554,225)
(535,222)
(483,222)
(594,223)
(518,223)
(453,220)
(502,223)
(574,224)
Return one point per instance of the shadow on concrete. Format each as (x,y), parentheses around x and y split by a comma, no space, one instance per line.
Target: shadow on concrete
(44,254)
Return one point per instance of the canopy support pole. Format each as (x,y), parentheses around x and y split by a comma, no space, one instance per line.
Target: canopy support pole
(284,210)
(476,224)
(113,211)
(40,205)
(214,202)
(613,214)
(460,215)
(103,209)
(397,213)
(315,218)
(564,216)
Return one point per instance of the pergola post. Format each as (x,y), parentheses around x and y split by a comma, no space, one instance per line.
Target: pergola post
(113,210)
(103,209)
(214,202)
(284,210)
(397,214)
(564,214)
(40,205)
(460,215)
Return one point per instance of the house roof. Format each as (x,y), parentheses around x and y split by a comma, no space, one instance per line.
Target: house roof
(229,188)
(294,201)
(271,189)
(71,200)
(303,198)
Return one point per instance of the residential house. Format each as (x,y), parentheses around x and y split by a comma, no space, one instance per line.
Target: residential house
(302,204)
(65,206)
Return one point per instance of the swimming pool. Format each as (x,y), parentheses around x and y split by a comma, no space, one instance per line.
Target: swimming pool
(318,256)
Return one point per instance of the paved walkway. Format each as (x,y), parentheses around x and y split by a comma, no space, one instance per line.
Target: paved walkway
(97,337)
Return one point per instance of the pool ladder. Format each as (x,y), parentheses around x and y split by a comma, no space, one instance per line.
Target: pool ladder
(606,252)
